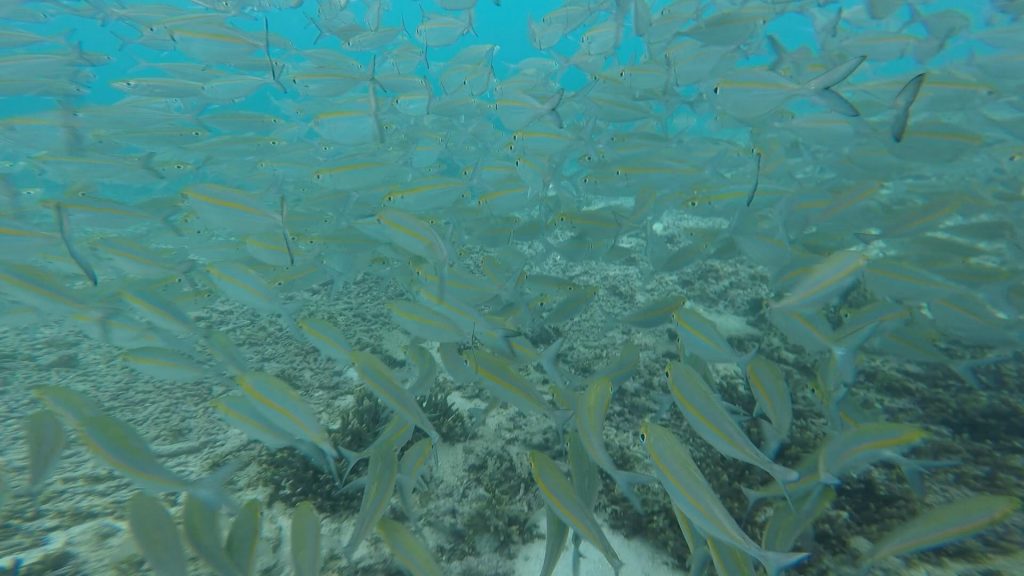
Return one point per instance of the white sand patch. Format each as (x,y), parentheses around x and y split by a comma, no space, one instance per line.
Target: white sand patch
(637,556)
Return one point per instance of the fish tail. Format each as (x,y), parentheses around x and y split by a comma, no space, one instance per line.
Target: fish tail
(772,439)
(562,418)
(351,459)
(549,362)
(775,562)
(210,490)
(626,481)
(834,75)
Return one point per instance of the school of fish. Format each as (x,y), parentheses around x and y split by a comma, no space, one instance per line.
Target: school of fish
(868,173)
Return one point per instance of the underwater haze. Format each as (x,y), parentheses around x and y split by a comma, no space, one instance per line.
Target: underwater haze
(511,288)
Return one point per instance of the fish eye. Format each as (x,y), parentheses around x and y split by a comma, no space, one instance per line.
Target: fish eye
(716,90)
(197,133)
(643,437)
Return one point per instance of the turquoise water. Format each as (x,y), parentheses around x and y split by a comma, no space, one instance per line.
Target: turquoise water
(425,287)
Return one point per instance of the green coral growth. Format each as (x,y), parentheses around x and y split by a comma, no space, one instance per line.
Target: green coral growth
(495,508)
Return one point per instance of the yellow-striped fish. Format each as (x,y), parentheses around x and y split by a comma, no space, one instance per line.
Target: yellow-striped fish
(561,497)
(409,551)
(690,491)
(943,525)
(383,383)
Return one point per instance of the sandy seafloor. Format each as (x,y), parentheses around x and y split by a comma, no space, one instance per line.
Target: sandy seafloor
(480,511)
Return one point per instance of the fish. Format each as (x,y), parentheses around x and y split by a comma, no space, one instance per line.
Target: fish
(902,103)
(416,236)
(697,544)
(774,400)
(423,322)
(164,364)
(505,383)
(622,368)
(156,535)
(327,338)
(591,410)
(700,337)
(19,239)
(689,490)
(44,434)
(201,524)
(728,559)
(244,285)
(710,420)
(238,411)
(64,227)
(824,281)
(396,432)
(119,445)
(426,369)
(409,551)
(410,467)
(561,498)
(244,536)
(277,402)
(556,533)
(438,30)
(861,446)
(383,383)
(160,312)
(70,405)
(942,525)
(379,487)
(757,178)
(651,181)
(224,350)
(787,525)
(305,540)
(751,93)
(37,288)
(519,111)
